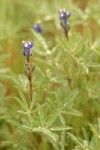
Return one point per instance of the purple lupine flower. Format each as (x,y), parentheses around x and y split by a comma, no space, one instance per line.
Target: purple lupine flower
(27,48)
(64,16)
(38,28)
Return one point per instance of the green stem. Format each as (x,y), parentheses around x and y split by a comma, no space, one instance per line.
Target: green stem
(66,29)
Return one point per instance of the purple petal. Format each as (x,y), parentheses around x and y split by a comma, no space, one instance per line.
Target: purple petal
(29,53)
(23,52)
(26,46)
(38,28)
(66,22)
(68,14)
(30,44)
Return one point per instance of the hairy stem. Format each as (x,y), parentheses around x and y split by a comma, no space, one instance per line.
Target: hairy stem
(29,74)
(66,33)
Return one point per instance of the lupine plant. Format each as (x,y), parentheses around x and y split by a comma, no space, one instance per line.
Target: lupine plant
(64,16)
(49,88)
(27,53)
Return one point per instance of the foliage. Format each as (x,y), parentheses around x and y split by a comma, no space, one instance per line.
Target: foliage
(65,102)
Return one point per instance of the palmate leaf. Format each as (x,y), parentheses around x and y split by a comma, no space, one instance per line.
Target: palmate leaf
(93,145)
(51,119)
(63,46)
(52,135)
(58,100)
(96,137)
(71,97)
(63,108)
(94,131)
(79,60)
(76,141)
(48,131)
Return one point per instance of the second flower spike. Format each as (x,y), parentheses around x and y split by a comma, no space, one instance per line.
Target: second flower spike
(37,27)
(64,16)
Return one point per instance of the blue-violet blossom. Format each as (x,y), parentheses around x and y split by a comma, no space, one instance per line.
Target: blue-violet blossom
(64,16)
(38,28)
(27,48)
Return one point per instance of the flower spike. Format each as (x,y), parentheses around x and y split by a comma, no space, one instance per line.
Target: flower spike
(64,16)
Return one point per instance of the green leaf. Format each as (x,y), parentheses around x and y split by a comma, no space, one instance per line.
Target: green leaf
(94,131)
(23,82)
(70,98)
(54,136)
(72,111)
(52,119)
(62,119)
(76,141)
(23,98)
(33,68)
(32,104)
(21,103)
(41,115)
(82,51)
(61,128)
(93,65)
